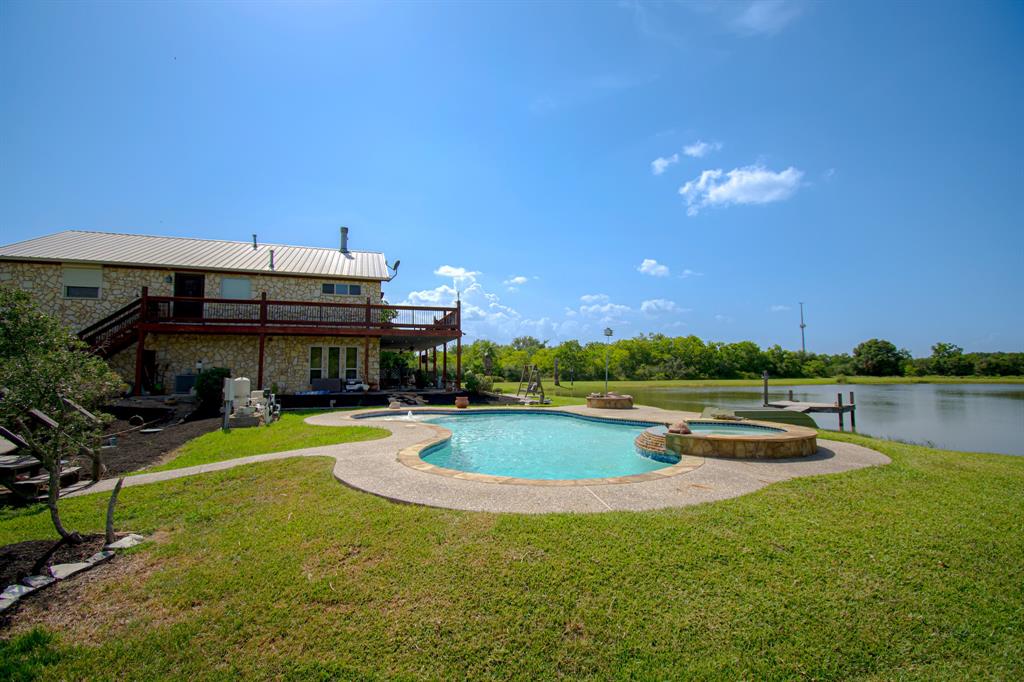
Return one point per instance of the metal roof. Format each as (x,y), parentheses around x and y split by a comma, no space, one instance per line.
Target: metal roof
(79,246)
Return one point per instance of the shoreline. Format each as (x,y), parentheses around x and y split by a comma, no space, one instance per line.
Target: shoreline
(803,381)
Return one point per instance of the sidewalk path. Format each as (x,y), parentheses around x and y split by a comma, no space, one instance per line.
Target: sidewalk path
(373,466)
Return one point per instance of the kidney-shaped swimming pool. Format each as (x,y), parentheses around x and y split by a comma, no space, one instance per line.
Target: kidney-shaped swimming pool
(539,446)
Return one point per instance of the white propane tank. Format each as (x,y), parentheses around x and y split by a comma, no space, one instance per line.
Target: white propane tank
(243,388)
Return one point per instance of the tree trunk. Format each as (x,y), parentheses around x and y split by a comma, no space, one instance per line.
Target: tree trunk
(51,502)
(110,511)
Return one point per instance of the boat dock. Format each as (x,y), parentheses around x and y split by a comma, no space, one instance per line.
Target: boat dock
(829,408)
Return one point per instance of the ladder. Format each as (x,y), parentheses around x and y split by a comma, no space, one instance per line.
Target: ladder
(530,385)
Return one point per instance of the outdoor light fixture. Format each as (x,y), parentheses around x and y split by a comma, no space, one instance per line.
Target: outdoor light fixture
(608,335)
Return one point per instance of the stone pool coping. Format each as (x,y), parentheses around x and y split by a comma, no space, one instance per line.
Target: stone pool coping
(373,467)
(412,456)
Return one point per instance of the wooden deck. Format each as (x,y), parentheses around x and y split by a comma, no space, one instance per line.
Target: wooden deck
(837,408)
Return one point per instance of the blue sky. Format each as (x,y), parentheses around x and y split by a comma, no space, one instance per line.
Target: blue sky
(696,168)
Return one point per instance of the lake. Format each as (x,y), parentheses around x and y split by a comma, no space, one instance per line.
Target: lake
(969,417)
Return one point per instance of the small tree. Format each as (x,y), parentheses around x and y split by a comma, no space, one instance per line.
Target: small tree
(877,358)
(52,383)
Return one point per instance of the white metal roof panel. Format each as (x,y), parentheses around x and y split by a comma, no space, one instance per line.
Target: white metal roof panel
(79,246)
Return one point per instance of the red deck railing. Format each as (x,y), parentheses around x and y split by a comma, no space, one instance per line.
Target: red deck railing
(270,314)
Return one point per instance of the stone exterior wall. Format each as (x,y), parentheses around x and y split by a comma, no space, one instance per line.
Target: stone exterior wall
(285,360)
(122,285)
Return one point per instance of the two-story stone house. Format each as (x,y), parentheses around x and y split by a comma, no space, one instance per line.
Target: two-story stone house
(161,308)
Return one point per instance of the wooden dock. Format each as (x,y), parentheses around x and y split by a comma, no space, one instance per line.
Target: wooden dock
(828,408)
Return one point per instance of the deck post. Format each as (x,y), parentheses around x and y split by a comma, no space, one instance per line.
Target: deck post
(140,344)
(434,353)
(839,404)
(366,353)
(853,413)
(444,363)
(263,309)
(458,345)
(764,376)
(259,372)
(790,395)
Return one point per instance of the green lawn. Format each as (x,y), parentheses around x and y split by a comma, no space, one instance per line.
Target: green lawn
(274,570)
(289,433)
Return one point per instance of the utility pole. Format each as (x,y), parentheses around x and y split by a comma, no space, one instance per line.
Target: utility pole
(803,343)
(607,337)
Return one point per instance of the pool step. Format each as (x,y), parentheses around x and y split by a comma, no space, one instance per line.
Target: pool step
(652,442)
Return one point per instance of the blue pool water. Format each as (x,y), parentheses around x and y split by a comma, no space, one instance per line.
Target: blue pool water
(539,446)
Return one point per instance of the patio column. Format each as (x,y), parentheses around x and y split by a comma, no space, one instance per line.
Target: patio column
(444,363)
(435,360)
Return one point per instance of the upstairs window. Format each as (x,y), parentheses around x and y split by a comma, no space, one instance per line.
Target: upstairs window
(342,289)
(235,287)
(80,282)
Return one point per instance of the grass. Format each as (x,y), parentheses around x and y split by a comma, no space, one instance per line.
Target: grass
(289,433)
(274,570)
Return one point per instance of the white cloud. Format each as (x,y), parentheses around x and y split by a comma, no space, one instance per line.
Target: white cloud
(456,273)
(659,165)
(779,308)
(690,273)
(651,267)
(594,298)
(766,17)
(608,312)
(660,305)
(700,148)
(747,185)
(513,283)
(432,297)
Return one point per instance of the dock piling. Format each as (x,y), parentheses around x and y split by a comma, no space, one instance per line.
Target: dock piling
(839,404)
(853,414)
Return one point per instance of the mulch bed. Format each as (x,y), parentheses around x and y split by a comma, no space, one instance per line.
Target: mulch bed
(135,450)
(17,560)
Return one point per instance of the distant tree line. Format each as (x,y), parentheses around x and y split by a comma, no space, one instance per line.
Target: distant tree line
(656,356)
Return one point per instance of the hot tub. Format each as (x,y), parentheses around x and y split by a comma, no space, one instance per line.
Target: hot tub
(740,440)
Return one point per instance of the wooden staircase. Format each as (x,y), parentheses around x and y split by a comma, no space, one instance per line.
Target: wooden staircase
(115,332)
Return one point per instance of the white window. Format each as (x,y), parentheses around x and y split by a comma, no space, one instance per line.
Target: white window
(82,282)
(235,287)
(342,289)
(333,362)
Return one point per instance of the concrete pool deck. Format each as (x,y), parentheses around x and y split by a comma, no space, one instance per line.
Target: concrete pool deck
(375,467)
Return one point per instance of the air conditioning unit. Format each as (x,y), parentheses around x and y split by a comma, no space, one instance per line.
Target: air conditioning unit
(184,383)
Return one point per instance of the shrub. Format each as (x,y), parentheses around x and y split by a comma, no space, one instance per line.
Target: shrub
(476,383)
(209,390)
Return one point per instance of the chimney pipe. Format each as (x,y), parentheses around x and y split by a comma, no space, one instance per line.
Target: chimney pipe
(344,239)
(253,241)
(271,259)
